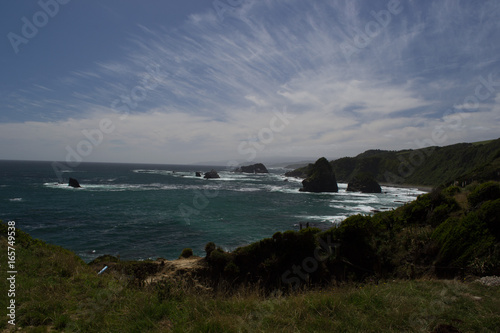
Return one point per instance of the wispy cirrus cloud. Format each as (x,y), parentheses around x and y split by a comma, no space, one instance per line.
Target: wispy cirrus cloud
(221,80)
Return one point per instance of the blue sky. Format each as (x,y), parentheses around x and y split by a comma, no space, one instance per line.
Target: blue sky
(245,80)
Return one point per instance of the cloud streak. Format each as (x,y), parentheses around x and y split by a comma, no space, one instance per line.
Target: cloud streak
(221,81)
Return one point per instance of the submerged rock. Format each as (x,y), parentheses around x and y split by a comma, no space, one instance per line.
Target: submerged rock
(198,174)
(364,183)
(211,174)
(320,178)
(254,168)
(73,182)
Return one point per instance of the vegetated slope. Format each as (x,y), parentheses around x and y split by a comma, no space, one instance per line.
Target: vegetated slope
(463,162)
(449,232)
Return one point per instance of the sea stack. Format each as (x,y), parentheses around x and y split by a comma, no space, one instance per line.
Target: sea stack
(73,182)
(320,178)
(364,183)
(254,168)
(211,174)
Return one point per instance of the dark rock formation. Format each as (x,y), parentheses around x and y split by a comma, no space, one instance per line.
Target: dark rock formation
(297,173)
(211,174)
(254,168)
(73,183)
(320,178)
(198,174)
(364,183)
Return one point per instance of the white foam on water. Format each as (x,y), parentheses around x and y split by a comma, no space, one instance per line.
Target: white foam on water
(131,187)
(294,180)
(325,218)
(373,199)
(363,208)
(247,189)
(16,199)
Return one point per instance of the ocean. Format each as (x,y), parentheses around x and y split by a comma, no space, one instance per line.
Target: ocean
(143,211)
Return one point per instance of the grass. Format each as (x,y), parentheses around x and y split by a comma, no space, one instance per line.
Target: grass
(56,291)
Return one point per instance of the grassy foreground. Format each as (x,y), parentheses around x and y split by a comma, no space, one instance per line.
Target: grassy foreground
(56,291)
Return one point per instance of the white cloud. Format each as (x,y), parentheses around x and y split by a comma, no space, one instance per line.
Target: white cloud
(220,82)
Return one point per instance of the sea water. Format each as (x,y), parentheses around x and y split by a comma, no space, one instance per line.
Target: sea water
(148,211)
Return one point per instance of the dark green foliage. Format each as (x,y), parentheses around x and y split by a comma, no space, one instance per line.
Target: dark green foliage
(209,248)
(487,191)
(431,208)
(463,162)
(358,237)
(321,167)
(490,214)
(103,259)
(462,240)
(265,261)
(218,260)
(451,190)
(186,253)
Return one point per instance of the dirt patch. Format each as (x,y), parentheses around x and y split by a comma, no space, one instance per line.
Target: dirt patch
(178,267)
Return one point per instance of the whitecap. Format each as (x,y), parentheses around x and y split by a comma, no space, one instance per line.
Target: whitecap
(154,171)
(363,208)
(326,218)
(16,199)
(294,180)
(247,189)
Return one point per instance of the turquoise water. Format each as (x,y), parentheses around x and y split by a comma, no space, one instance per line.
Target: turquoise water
(150,211)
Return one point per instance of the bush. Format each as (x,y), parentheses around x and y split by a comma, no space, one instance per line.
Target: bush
(218,259)
(186,253)
(359,236)
(484,192)
(490,213)
(432,208)
(462,240)
(209,248)
(451,190)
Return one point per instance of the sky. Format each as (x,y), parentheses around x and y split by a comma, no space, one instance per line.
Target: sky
(181,82)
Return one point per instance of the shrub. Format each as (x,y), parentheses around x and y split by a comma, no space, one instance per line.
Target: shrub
(462,240)
(451,191)
(218,259)
(439,214)
(209,248)
(432,208)
(186,253)
(359,236)
(484,192)
(231,269)
(490,214)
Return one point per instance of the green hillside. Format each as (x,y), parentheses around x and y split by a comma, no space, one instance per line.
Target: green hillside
(433,166)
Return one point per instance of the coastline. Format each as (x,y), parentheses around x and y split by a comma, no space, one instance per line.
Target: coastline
(423,188)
